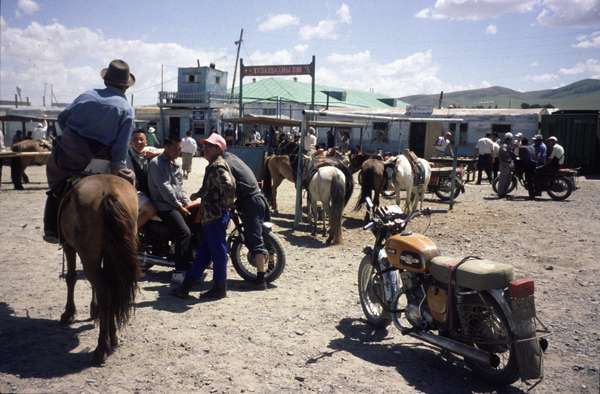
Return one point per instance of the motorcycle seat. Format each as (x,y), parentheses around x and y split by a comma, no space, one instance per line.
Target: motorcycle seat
(473,274)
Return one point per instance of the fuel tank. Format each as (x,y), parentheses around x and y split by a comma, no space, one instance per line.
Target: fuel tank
(410,251)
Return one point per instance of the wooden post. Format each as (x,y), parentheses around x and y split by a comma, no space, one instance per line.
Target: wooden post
(312,74)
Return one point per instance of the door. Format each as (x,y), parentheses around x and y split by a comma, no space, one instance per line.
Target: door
(174,127)
(416,140)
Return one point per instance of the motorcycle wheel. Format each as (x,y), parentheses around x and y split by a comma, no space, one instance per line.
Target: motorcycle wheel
(246,267)
(371,293)
(493,324)
(511,186)
(444,188)
(560,189)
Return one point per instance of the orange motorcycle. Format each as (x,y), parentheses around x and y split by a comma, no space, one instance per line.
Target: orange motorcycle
(469,306)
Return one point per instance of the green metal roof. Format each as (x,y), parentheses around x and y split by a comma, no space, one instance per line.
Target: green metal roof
(289,90)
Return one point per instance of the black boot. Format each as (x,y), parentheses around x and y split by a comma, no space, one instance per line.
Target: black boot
(261,283)
(218,291)
(51,219)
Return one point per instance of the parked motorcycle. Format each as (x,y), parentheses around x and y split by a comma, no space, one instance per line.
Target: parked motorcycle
(441,183)
(558,187)
(470,307)
(156,248)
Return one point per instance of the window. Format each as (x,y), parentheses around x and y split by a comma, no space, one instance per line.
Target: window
(191,78)
(463,134)
(500,129)
(217,80)
(270,111)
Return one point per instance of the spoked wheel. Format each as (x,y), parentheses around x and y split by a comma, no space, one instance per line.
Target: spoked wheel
(486,323)
(511,185)
(561,188)
(371,293)
(444,189)
(245,266)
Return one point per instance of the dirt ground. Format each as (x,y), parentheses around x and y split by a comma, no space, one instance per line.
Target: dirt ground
(308,333)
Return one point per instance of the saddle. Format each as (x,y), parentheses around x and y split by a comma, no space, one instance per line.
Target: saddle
(417,167)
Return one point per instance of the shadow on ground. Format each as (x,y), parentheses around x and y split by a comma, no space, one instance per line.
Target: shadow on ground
(420,365)
(39,348)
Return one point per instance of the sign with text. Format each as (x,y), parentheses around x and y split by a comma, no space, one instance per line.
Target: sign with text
(288,69)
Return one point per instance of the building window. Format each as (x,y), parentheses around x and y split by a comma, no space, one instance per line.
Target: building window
(191,78)
(217,80)
(500,129)
(380,133)
(463,134)
(270,111)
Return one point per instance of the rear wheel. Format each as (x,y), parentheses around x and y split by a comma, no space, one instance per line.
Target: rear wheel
(561,188)
(246,267)
(371,293)
(511,185)
(483,320)
(444,189)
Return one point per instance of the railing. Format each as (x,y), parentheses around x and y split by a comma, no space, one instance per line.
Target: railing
(168,98)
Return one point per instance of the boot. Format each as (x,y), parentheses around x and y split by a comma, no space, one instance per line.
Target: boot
(261,283)
(218,291)
(183,290)
(51,219)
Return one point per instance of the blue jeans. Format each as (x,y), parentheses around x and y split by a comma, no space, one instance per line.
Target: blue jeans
(212,247)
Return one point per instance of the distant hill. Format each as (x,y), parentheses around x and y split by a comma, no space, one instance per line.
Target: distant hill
(584,94)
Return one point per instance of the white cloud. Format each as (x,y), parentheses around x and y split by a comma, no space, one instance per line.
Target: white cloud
(343,14)
(26,7)
(326,29)
(588,69)
(491,29)
(301,48)
(280,21)
(539,78)
(588,40)
(475,9)
(71,60)
(278,57)
(414,74)
(570,13)
(534,64)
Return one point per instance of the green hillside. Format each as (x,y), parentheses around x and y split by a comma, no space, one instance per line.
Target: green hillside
(584,94)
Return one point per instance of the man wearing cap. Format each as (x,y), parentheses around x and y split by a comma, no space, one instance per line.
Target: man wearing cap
(540,149)
(39,132)
(97,125)
(556,158)
(217,198)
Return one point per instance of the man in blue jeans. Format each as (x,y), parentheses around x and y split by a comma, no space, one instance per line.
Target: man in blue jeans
(217,198)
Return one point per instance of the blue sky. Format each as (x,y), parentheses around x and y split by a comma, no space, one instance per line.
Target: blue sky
(393,47)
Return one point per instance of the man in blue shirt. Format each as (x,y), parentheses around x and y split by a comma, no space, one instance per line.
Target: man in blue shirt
(540,150)
(97,125)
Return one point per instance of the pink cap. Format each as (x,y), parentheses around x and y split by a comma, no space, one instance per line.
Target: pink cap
(215,139)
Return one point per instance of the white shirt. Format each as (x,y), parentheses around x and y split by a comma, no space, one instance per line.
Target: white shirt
(485,146)
(189,145)
(39,132)
(441,144)
(558,152)
(1,140)
(495,149)
(310,141)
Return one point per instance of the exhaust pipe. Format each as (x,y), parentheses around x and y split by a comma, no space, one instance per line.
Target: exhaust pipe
(146,258)
(457,347)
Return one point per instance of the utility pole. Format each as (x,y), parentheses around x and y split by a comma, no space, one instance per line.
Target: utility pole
(162,70)
(237,57)
(44,96)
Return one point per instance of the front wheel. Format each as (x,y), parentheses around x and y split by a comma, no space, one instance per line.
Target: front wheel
(246,267)
(444,189)
(511,185)
(561,188)
(371,293)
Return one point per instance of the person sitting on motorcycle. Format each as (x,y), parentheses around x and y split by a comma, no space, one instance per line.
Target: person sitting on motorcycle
(165,183)
(137,160)
(540,149)
(556,158)
(217,198)
(527,165)
(97,125)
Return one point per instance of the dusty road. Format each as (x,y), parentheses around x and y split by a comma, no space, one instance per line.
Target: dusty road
(307,334)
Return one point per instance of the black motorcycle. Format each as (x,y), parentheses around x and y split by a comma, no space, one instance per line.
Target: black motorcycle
(559,187)
(156,248)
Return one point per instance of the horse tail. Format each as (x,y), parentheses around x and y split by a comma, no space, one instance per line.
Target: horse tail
(366,178)
(120,269)
(267,183)
(338,190)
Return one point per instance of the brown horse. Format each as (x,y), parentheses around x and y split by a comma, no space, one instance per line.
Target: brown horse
(277,168)
(372,178)
(18,165)
(97,221)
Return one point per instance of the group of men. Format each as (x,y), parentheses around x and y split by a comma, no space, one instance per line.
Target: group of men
(99,125)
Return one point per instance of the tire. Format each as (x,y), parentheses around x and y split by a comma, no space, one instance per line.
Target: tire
(240,258)
(494,322)
(511,186)
(444,188)
(561,188)
(371,293)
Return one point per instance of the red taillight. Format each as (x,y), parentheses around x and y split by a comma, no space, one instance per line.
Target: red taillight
(521,288)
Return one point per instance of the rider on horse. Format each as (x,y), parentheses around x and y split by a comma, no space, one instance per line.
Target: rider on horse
(97,125)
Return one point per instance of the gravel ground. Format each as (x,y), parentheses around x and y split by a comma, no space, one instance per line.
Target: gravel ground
(307,334)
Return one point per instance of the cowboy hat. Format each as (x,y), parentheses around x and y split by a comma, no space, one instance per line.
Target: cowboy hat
(117,74)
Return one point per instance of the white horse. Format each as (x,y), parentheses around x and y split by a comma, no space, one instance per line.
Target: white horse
(404,180)
(328,186)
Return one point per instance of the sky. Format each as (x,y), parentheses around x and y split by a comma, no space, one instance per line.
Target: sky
(395,48)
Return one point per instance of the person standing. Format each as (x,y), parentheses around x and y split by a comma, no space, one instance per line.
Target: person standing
(331,138)
(151,137)
(188,150)
(39,132)
(98,124)
(217,198)
(505,159)
(1,140)
(310,141)
(495,151)
(540,150)
(271,140)
(527,165)
(443,144)
(485,148)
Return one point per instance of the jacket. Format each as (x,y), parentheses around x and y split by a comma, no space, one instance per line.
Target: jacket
(217,191)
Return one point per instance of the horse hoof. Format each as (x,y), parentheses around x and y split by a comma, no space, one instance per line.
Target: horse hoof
(99,357)
(67,318)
